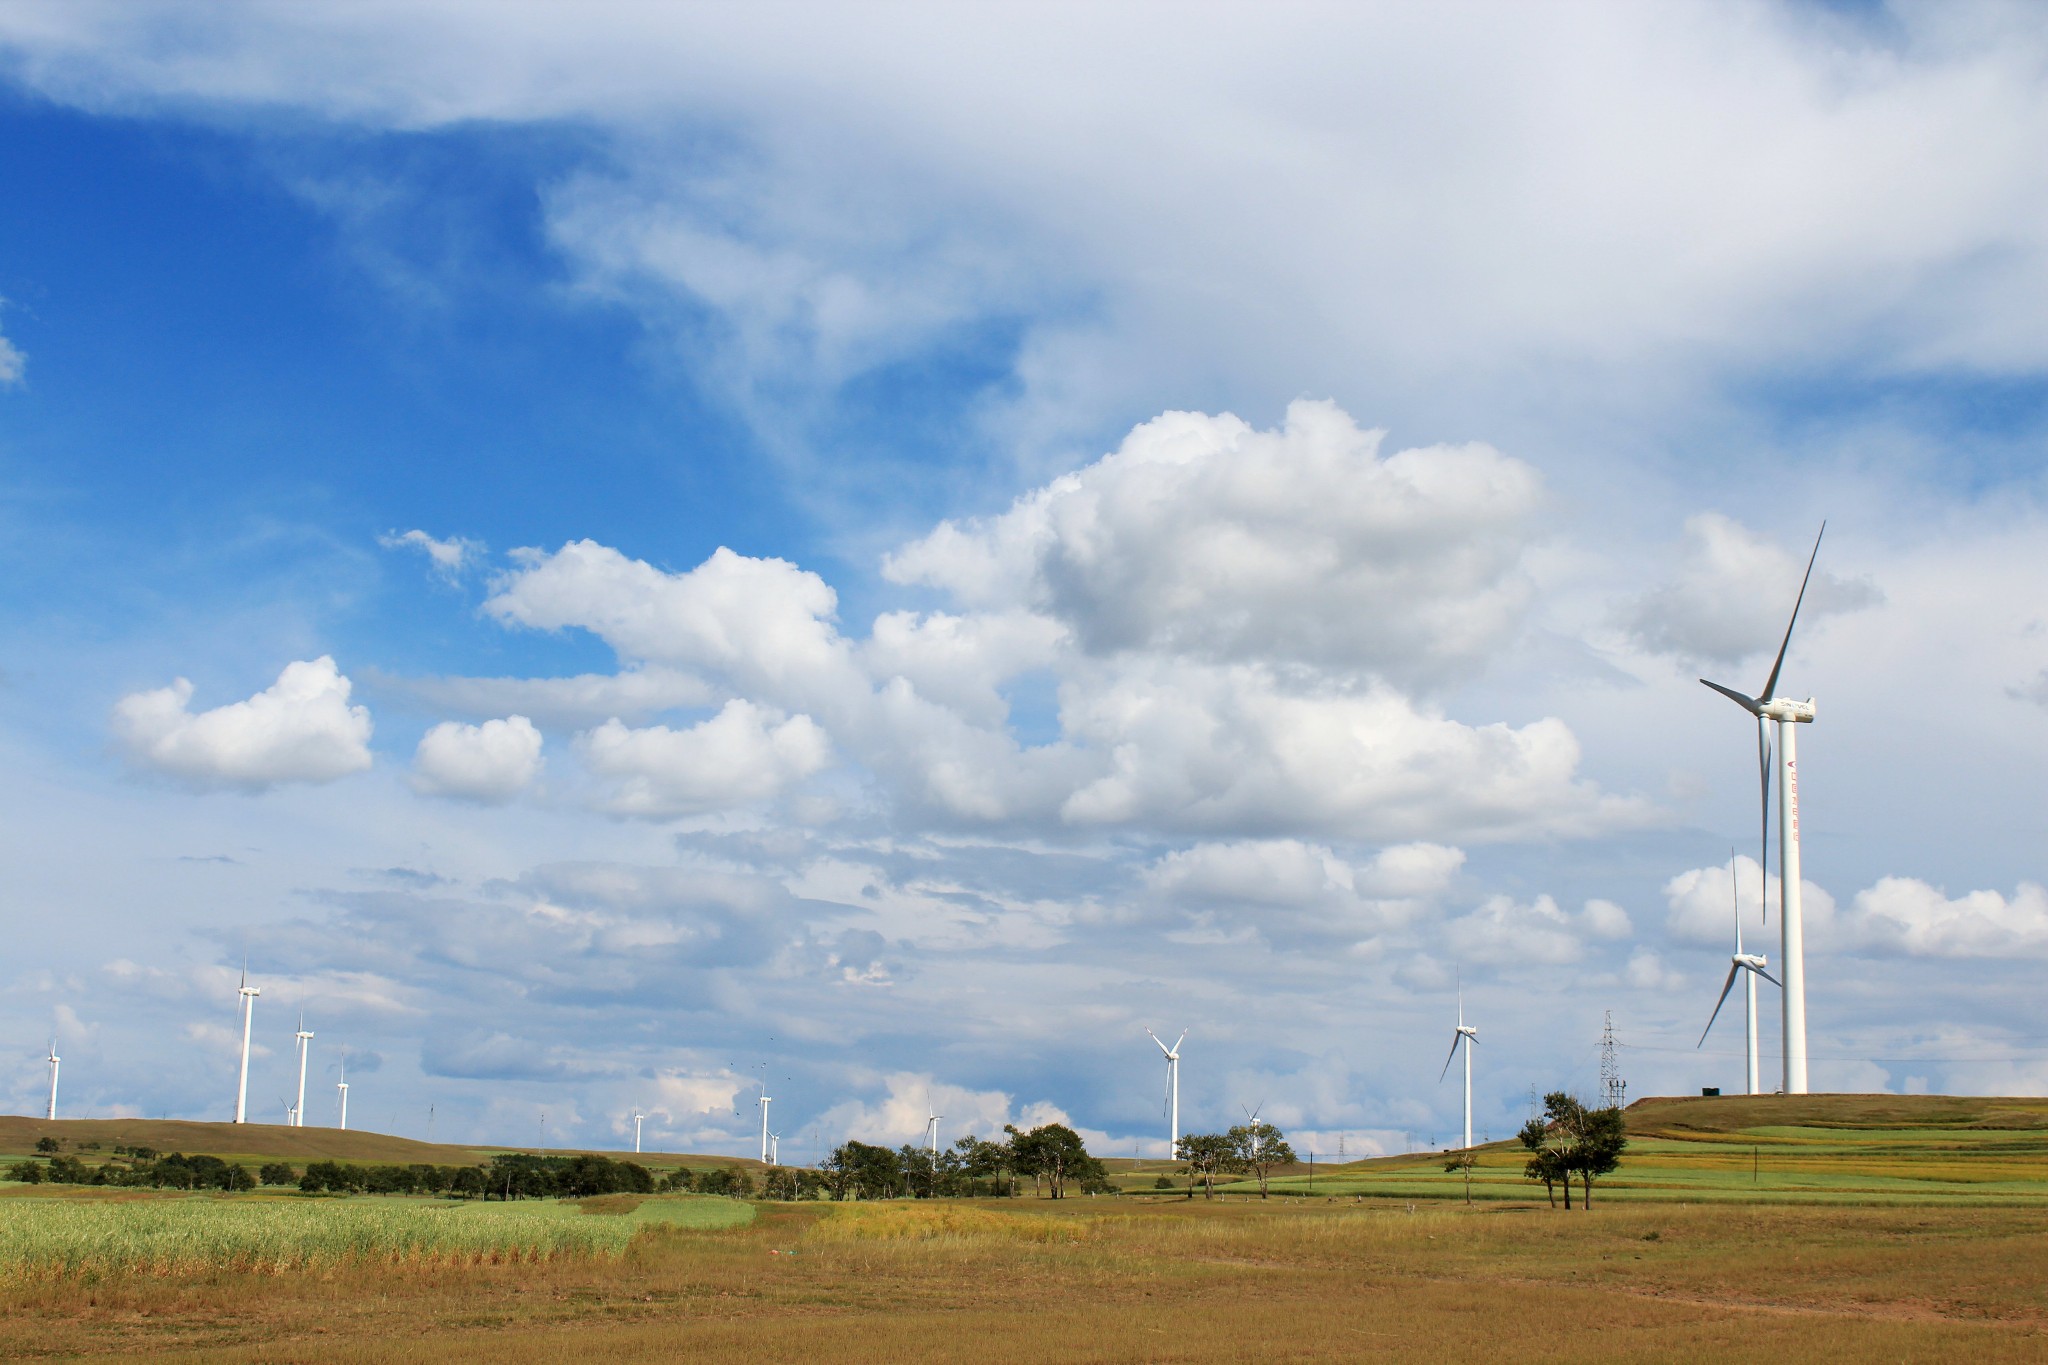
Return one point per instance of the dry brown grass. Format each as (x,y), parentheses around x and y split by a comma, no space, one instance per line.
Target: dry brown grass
(1162,1282)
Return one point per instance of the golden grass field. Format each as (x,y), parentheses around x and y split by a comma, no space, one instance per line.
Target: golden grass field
(1684,1267)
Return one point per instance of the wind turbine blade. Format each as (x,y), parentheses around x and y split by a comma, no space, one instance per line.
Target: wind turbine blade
(1771,683)
(1768,977)
(1178,1041)
(1726,987)
(1735,901)
(1456,1039)
(1163,1048)
(1749,704)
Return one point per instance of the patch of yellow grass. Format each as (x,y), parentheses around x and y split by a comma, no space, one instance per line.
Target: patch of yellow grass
(930,1222)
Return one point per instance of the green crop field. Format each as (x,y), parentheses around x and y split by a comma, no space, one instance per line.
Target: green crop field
(1853,1149)
(94,1237)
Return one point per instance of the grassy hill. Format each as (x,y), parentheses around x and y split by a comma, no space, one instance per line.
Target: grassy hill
(1824,1149)
(274,1142)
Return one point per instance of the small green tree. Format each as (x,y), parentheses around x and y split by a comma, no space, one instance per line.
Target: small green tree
(277,1173)
(1205,1155)
(1543,1163)
(1463,1161)
(48,1146)
(1572,1140)
(1052,1152)
(1258,1147)
(27,1172)
(1603,1137)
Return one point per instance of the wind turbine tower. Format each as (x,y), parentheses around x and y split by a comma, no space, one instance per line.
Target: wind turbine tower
(1172,1089)
(637,1117)
(248,994)
(1752,966)
(931,1132)
(765,1100)
(341,1090)
(1786,715)
(53,1077)
(305,1038)
(1467,1038)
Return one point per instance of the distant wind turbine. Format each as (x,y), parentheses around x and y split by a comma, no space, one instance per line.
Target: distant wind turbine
(1786,714)
(637,1117)
(341,1090)
(775,1149)
(1751,965)
(931,1131)
(305,1038)
(765,1100)
(53,1076)
(1172,1105)
(1468,1038)
(248,994)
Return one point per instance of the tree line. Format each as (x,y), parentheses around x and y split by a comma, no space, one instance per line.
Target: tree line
(1051,1156)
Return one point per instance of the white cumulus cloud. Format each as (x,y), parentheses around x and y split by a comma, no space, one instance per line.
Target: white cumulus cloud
(744,755)
(1238,747)
(299,729)
(1703,906)
(1507,932)
(759,621)
(1290,889)
(1906,915)
(491,762)
(1205,537)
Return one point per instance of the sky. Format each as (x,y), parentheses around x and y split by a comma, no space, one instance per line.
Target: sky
(631,556)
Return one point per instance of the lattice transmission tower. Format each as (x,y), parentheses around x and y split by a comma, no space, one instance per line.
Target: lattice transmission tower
(1613,1089)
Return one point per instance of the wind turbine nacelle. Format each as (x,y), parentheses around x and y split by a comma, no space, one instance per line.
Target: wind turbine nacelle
(1786,709)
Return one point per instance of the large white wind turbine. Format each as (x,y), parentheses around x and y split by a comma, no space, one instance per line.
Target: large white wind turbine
(249,994)
(1172,1089)
(765,1100)
(305,1038)
(53,1076)
(1468,1038)
(1751,965)
(637,1117)
(1784,713)
(341,1090)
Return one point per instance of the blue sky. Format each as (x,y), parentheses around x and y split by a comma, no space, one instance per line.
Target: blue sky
(898,551)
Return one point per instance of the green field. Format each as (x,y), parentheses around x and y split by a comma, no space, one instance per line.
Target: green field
(94,1236)
(1820,1149)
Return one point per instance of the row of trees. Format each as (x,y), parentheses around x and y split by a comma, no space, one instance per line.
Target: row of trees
(1051,1156)
(507,1176)
(176,1171)
(1254,1148)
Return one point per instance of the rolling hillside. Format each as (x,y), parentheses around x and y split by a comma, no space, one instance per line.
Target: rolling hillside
(275,1142)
